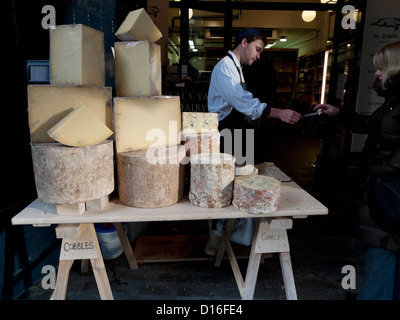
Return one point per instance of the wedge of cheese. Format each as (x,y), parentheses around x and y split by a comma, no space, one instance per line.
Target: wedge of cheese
(48,105)
(142,122)
(138,26)
(137,69)
(76,56)
(81,128)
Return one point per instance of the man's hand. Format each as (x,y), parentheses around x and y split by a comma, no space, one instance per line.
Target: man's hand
(285,115)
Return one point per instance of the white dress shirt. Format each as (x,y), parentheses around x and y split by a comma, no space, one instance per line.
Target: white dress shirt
(226,92)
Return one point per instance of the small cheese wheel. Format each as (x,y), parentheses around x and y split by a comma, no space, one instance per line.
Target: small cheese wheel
(256,193)
(211,179)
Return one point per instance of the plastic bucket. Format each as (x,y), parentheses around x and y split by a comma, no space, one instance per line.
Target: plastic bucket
(109,242)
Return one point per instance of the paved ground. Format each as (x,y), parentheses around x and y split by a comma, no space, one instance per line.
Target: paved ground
(320,246)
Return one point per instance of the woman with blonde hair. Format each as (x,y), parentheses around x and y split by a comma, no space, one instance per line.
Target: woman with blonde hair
(378,214)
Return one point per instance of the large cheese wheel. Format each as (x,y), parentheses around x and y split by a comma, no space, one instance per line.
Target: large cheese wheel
(70,175)
(205,142)
(211,179)
(151,178)
(256,193)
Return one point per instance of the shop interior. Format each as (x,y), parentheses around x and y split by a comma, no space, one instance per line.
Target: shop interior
(314,60)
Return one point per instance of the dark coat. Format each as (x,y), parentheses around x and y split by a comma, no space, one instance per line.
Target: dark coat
(380,158)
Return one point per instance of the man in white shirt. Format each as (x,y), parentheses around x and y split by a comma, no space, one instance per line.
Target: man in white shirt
(238,109)
(227,95)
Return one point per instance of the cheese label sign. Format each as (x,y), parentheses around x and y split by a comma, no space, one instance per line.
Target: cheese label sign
(271,240)
(83,247)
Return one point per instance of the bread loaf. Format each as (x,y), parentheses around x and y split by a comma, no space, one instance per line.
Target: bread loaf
(256,193)
(211,179)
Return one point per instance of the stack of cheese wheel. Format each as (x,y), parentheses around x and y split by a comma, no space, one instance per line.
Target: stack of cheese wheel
(211,180)
(70,121)
(151,178)
(256,193)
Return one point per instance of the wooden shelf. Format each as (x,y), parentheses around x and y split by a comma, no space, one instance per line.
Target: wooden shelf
(285,64)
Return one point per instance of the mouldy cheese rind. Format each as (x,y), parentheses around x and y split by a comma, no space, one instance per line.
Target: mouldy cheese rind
(70,175)
(211,179)
(256,193)
(144,184)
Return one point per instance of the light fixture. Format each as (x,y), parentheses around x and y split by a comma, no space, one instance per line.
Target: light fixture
(324,74)
(191,45)
(270,45)
(190,11)
(283,39)
(308,15)
(328,1)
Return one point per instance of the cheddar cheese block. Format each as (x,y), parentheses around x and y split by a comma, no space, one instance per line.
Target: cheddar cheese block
(48,105)
(137,68)
(211,179)
(76,56)
(143,122)
(256,193)
(81,128)
(138,26)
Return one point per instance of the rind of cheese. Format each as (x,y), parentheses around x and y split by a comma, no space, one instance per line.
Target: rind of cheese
(199,122)
(144,184)
(245,170)
(196,143)
(81,128)
(137,69)
(138,26)
(76,56)
(256,193)
(47,105)
(143,122)
(211,180)
(70,175)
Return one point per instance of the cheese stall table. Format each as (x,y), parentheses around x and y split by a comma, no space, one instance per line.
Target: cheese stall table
(80,241)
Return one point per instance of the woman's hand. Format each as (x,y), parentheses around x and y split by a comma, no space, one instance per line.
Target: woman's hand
(327,109)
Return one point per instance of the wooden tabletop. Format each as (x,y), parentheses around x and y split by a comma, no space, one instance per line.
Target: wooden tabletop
(295,202)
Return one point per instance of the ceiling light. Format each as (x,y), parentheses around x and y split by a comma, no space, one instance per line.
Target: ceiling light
(270,45)
(283,39)
(308,15)
(328,1)
(190,11)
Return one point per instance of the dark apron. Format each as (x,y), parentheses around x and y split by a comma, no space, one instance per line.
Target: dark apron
(236,120)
